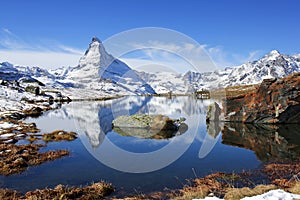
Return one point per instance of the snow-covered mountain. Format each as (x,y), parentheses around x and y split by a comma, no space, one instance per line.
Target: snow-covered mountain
(272,65)
(100,69)
(99,74)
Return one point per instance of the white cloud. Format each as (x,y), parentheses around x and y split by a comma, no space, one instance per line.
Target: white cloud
(6,31)
(203,57)
(180,57)
(48,60)
(253,55)
(19,52)
(71,50)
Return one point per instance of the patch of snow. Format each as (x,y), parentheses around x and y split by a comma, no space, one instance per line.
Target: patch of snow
(274,194)
(271,195)
(7,135)
(7,125)
(209,198)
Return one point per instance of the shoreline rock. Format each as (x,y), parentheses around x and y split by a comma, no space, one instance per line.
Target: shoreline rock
(275,101)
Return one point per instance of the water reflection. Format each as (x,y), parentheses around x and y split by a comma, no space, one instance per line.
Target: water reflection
(95,119)
(169,162)
(94,122)
(269,142)
(214,128)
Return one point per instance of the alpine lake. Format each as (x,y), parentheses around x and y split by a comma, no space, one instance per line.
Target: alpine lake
(136,163)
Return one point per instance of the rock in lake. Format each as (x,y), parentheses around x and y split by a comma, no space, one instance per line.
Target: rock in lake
(149,126)
(213,113)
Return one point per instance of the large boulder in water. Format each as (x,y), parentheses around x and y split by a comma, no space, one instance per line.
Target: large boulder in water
(149,126)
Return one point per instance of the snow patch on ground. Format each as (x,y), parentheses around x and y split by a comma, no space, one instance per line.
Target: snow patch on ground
(7,125)
(274,194)
(271,195)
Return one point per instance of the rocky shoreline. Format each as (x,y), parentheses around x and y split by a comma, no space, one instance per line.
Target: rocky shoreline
(276,101)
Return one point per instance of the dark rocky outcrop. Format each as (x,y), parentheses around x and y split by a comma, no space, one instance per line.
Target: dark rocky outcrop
(275,101)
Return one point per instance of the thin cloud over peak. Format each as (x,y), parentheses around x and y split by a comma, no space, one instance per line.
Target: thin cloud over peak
(43,53)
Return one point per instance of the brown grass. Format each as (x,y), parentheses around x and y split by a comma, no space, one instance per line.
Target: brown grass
(238,193)
(94,191)
(289,171)
(295,189)
(6,194)
(16,158)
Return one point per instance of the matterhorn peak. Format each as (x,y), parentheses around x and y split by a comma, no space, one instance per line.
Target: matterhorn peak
(96,54)
(95,39)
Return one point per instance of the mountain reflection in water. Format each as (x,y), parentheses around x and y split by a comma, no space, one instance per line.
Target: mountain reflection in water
(96,120)
(269,142)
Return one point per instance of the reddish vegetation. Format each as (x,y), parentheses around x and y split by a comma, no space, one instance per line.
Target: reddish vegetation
(16,158)
(95,191)
(275,101)
(283,174)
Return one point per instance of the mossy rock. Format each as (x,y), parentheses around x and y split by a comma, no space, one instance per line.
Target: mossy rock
(149,126)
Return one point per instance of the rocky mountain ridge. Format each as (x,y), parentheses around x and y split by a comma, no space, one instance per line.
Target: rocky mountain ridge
(272,65)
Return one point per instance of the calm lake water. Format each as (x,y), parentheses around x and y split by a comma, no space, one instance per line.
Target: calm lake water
(137,165)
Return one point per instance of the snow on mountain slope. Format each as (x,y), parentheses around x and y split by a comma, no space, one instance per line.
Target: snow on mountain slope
(272,65)
(100,74)
(164,82)
(10,72)
(100,69)
(61,72)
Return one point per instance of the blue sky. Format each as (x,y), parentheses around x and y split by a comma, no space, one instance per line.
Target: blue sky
(57,32)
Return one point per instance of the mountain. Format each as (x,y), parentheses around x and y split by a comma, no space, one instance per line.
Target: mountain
(10,72)
(98,68)
(99,74)
(272,65)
